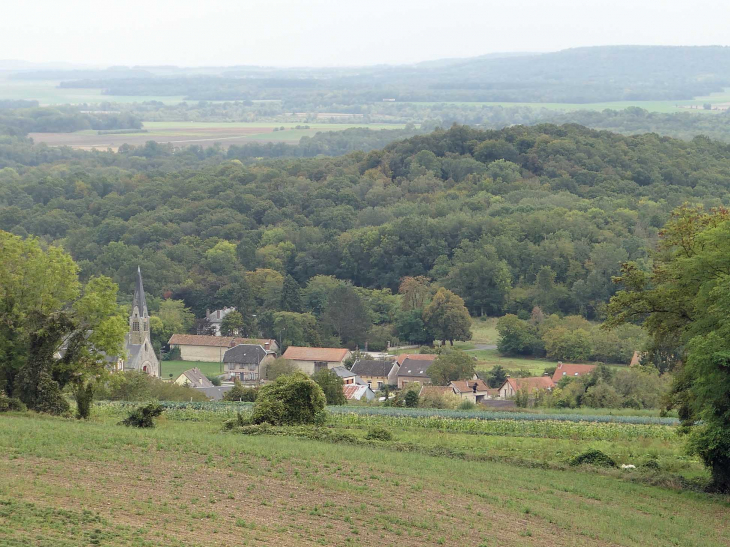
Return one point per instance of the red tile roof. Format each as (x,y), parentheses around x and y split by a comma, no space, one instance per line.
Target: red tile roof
(531,384)
(568,369)
(420,356)
(315,354)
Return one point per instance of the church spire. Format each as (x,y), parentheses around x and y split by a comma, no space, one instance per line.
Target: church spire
(139,300)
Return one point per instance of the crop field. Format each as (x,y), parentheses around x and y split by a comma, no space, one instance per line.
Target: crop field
(197,133)
(184,483)
(692,105)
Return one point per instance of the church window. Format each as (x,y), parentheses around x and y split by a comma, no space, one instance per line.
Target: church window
(135,326)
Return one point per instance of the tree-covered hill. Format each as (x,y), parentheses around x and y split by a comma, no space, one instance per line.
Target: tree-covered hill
(507,219)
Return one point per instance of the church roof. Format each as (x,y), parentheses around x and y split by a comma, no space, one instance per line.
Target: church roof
(139,299)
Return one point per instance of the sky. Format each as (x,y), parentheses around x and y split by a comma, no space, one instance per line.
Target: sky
(340,32)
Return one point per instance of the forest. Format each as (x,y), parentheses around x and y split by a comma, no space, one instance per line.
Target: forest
(578,75)
(507,220)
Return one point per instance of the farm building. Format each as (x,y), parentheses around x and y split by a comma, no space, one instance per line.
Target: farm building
(310,360)
(414,370)
(348,377)
(510,388)
(376,374)
(243,362)
(475,391)
(193,378)
(358,392)
(567,369)
(199,347)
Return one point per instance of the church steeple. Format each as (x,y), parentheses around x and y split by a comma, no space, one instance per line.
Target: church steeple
(139,321)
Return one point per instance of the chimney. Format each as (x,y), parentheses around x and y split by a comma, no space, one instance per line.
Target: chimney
(475,387)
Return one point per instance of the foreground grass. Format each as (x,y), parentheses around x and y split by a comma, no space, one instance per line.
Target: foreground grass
(70,483)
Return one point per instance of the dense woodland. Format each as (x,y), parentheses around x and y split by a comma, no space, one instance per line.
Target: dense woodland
(579,75)
(509,220)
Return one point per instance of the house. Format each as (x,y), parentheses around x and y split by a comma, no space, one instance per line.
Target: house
(567,369)
(348,377)
(200,347)
(435,391)
(423,356)
(193,378)
(310,360)
(243,362)
(510,388)
(414,370)
(215,318)
(357,392)
(138,347)
(475,391)
(376,374)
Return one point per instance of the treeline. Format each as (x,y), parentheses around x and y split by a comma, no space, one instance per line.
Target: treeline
(581,75)
(508,220)
(62,119)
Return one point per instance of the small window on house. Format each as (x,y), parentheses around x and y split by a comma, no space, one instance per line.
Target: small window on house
(576,374)
(380,385)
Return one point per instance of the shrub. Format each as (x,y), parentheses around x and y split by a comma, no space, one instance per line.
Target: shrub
(238,421)
(84,395)
(138,386)
(651,464)
(215,380)
(240,393)
(143,416)
(172,355)
(379,433)
(411,399)
(289,400)
(331,385)
(8,404)
(466,405)
(593,457)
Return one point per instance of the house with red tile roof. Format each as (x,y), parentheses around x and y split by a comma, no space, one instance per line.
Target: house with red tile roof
(211,349)
(568,369)
(310,360)
(510,388)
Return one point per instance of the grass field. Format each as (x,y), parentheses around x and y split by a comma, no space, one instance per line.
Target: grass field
(652,106)
(198,133)
(176,368)
(67,483)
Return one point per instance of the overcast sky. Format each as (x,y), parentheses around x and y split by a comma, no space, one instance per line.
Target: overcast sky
(340,32)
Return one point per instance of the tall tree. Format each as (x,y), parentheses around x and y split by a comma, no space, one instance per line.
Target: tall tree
(450,366)
(447,317)
(346,316)
(291,295)
(684,304)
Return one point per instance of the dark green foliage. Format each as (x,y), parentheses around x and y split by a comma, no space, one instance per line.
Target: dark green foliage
(593,457)
(8,404)
(84,395)
(289,400)
(143,416)
(214,379)
(172,355)
(451,365)
(138,386)
(238,421)
(331,385)
(240,393)
(496,376)
(379,433)
(411,399)
(291,295)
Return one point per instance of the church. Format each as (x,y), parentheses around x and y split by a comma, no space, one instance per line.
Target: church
(140,354)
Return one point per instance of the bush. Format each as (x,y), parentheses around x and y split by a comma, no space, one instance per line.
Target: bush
(331,385)
(172,355)
(138,386)
(593,457)
(84,395)
(215,380)
(466,405)
(240,393)
(290,400)
(238,421)
(652,464)
(411,399)
(379,433)
(143,416)
(8,404)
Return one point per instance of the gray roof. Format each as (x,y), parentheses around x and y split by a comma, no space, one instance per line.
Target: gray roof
(414,368)
(196,378)
(372,368)
(342,372)
(216,392)
(245,354)
(139,299)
